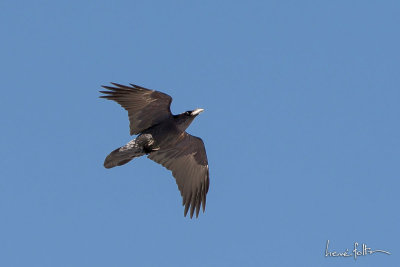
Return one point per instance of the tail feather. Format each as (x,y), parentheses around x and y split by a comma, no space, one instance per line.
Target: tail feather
(135,148)
(117,158)
(123,155)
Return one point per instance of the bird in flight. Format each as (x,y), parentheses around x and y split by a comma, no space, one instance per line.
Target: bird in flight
(163,138)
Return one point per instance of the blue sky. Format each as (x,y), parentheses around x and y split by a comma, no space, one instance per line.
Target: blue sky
(301,127)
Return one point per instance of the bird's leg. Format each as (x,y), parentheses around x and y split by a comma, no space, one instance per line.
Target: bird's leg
(147,142)
(148,147)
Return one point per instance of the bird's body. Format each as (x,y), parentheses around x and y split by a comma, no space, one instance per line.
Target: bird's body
(163,138)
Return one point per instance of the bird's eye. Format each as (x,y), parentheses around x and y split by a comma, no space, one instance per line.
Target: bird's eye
(187,113)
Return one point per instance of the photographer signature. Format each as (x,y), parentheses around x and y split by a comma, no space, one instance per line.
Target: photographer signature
(358,250)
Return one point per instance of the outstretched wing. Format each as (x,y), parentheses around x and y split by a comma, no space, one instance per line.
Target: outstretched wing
(145,107)
(187,159)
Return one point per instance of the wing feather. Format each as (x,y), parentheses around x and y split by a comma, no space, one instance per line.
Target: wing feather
(187,159)
(145,107)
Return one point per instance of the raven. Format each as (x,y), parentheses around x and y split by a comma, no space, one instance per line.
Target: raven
(162,137)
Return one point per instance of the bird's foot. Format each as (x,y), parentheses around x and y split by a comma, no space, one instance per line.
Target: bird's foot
(149,149)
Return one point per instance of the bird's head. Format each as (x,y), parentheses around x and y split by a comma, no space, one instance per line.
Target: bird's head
(184,119)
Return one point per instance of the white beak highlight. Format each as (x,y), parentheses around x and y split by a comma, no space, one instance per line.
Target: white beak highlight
(197,111)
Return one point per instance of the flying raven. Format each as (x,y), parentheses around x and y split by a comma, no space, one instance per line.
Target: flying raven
(162,137)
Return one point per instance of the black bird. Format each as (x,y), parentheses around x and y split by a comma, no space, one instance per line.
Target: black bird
(162,137)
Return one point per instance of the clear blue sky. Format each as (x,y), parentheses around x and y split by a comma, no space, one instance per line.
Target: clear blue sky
(301,126)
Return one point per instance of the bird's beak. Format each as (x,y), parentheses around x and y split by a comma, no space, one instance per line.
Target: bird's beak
(197,111)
